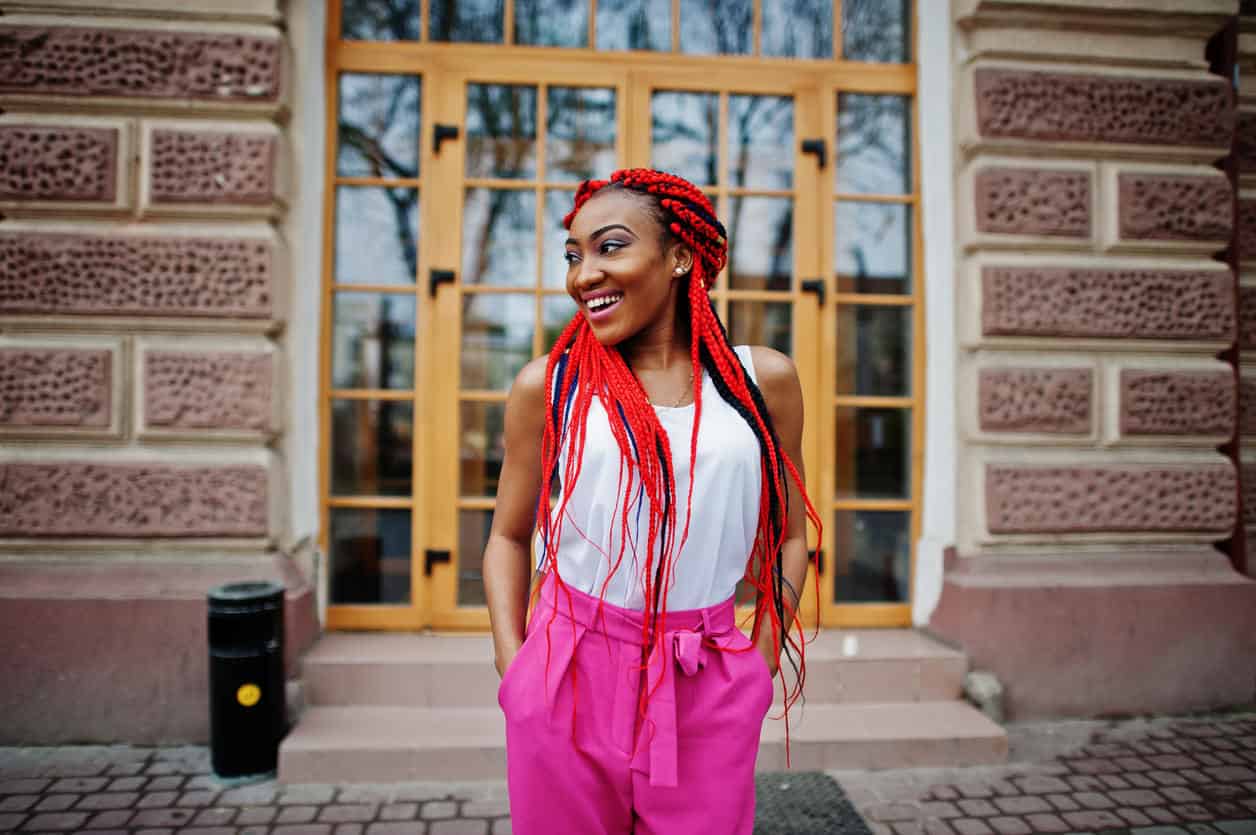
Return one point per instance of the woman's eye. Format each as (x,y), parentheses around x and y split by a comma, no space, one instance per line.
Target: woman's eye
(608,247)
(570,257)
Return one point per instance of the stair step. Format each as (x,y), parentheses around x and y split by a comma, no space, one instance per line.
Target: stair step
(368,744)
(426,670)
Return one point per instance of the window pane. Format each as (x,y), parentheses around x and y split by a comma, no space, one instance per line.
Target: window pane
(761,141)
(370,556)
(876,30)
(378,126)
(371,443)
(761,323)
(711,28)
(874,350)
(873,247)
(557,311)
(761,237)
(873,453)
(552,22)
(377,235)
(480,450)
(634,24)
(683,135)
(478,21)
(473,528)
(873,144)
(501,131)
(499,237)
(579,133)
(553,265)
(871,556)
(373,341)
(379,20)
(797,29)
(496,338)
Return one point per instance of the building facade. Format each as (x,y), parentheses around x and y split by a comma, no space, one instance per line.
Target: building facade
(267,270)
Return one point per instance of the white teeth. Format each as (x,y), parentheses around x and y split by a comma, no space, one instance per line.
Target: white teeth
(602,301)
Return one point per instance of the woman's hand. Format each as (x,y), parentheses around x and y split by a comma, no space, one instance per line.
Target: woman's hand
(503,660)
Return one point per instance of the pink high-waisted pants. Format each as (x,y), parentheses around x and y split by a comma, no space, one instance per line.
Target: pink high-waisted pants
(686,768)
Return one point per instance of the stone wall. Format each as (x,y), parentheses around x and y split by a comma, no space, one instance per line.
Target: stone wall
(143,283)
(1093,400)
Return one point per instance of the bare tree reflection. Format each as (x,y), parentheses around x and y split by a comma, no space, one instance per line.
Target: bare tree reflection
(380,20)
(876,30)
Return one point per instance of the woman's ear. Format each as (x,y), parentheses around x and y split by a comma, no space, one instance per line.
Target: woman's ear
(682,260)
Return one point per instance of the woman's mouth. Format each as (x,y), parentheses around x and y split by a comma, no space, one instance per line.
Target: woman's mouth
(601,306)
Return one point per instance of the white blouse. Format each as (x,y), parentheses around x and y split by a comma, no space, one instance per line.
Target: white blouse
(725,507)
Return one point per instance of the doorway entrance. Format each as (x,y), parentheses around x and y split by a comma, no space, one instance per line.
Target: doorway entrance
(451,166)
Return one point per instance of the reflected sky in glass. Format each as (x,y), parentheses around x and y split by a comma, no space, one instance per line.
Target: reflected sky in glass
(378,126)
(634,24)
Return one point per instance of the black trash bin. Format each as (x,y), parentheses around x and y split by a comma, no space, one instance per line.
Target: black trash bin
(247,706)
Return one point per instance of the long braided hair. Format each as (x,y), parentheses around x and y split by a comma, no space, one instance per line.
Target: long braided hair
(586,369)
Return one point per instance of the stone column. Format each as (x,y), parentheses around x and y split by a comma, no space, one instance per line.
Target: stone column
(1091,399)
(142,298)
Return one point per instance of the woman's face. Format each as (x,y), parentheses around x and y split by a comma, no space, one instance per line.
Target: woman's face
(619,271)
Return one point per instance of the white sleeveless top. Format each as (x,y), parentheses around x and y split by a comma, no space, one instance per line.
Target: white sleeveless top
(725,507)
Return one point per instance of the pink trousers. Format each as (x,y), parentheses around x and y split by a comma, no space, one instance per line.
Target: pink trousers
(580,758)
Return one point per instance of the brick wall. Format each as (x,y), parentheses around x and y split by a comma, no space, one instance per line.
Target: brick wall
(1092,402)
(143,172)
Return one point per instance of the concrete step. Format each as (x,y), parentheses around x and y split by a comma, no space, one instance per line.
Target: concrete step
(426,670)
(403,744)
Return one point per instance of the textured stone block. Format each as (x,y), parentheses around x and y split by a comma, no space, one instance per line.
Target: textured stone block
(1247,405)
(138,63)
(1067,107)
(1031,201)
(1022,499)
(74,499)
(97,274)
(1035,399)
(55,387)
(1177,402)
(211,167)
(58,163)
(212,390)
(1174,207)
(1134,303)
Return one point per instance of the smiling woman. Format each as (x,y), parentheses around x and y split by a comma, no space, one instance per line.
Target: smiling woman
(663,508)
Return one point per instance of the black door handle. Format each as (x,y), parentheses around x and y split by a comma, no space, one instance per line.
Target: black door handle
(440,133)
(819,149)
(432,556)
(815,285)
(435,278)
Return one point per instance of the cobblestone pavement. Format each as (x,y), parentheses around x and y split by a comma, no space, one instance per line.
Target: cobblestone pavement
(1144,777)
(1140,777)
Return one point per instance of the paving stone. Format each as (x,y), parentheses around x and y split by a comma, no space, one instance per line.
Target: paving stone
(975,790)
(1009,826)
(1047,823)
(1171,761)
(977,807)
(153,800)
(397,828)
(306,793)
(79,784)
(1243,827)
(1093,819)
(204,781)
(1040,784)
(458,827)
(252,830)
(252,795)
(126,784)
(971,826)
(1168,778)
(1232,757)
(398,811)
(1160,830)
(217,816)
(1131,764)
(1210,759)
(1178,794)
(1194,775)
(1063,802)
(497,806)
(1097,766)
(57,802)
(166,782)
(303,829)
(1221,791)
(110,819)
(349,829)
(907,828)
(1159,814)
(1231,774)
(27,785)
(1192,812)
(502,827)
(17,802)
(1199,730)
(938,792)
(1140,780)
(933,826)
(208,830)
(1134,817)
(344,813)
(939,809)
(1004,788)
(56,821)
(297,814)
(75,769)
(438,809)
(125,769)
(162,817)
(1113,781)
(1094,800)
(1136,797)
(1086,784)
(198,798)
(421,792)
(108,800)
(365,794)
(161,769)
(1222,744)
(256,814)
(1108,749)
(1022,805)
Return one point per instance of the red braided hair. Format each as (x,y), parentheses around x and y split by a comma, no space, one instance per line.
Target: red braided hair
(687,214)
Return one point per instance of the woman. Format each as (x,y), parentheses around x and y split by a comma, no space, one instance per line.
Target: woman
(633,702)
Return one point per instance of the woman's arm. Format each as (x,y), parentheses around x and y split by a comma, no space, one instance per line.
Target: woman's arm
(778,380)
(508,553)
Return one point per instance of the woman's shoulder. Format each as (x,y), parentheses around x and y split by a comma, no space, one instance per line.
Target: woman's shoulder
(777,377)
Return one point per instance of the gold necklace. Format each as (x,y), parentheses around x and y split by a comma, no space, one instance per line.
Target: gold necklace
(688,388)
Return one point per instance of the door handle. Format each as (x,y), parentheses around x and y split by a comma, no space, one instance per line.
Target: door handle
(815,285)
(440,133)
(432,556)
(435,278)
(819,149)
